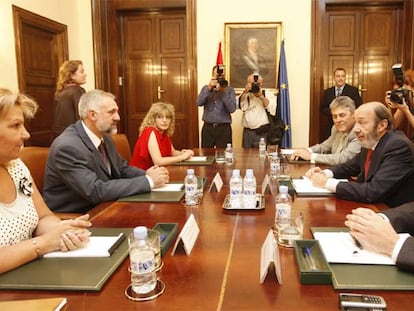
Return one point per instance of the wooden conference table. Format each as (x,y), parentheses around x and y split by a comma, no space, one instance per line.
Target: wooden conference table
(222,272)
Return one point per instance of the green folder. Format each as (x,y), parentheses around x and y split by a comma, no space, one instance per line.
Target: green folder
(209,161)
(85,274)
(373,277)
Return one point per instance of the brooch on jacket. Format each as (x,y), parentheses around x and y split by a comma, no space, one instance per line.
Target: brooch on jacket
(25,186)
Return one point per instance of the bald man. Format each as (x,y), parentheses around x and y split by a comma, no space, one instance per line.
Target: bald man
(388,177)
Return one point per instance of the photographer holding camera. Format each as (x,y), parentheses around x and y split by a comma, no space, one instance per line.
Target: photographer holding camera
(253,102)
(219,101)
(401,98)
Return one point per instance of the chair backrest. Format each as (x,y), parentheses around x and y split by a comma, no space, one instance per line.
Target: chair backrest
(122,145)
(35,159)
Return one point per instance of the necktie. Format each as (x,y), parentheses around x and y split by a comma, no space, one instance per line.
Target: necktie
(102,150)
(338,92)
(370,152)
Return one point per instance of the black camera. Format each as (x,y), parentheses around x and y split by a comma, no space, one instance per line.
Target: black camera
(255,85)
(397,95)
(220,76)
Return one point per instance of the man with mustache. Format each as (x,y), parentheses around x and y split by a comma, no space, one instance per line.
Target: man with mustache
(84,167)
(384,168)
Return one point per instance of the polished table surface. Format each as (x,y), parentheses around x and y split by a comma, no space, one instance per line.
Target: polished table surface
(222,272)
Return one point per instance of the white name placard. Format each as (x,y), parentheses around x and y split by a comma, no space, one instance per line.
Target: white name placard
(188,235)
(269,256)
(216,184)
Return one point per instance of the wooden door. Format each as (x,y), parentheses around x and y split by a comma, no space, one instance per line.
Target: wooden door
(153,68)
(41,46)
(366,41)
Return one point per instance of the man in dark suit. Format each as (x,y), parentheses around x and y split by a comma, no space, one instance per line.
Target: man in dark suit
(339,89)
(384,167)
(79,176)
(378,232)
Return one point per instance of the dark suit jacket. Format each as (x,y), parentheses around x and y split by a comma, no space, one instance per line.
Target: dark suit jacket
(329,95)
(76,177)
(390,177)
(402,219)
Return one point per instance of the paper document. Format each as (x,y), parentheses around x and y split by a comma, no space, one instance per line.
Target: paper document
(340,247)
(197,159)
(304,187)
(170,187)
(98,246)
(287,151)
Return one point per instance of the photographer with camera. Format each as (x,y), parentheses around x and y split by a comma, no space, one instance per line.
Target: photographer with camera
(400,98)
(219,101)
(253,102)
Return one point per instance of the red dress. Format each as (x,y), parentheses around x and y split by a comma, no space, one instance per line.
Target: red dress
(141,157)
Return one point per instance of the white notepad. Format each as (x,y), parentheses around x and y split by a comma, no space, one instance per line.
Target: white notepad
(170,187)
(197,159)
(340,247)
(98,246)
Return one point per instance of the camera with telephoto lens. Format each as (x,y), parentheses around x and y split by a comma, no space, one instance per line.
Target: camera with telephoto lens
(397,95)
(255,85)
(220,76)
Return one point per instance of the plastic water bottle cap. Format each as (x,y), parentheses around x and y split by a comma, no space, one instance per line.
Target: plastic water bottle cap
(274,155)
(283,189)
(228,145)
(249,172)
(236,172)
(190,171)
(140,232)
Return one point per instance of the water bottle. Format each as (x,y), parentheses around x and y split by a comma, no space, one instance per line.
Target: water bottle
(262,147)
(274,165)
(236,188)
(142,257)
(283,205)
(229,154)
(249,190)
(190,188)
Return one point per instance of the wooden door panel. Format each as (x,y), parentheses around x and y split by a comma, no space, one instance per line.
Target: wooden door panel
(172,35)
(376,75)
(378,32)
(139,85)
(342,32)
(138,43)
(172,81)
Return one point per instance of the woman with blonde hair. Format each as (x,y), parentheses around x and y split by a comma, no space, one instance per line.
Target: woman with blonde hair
(68,92)
(28,229)
(154,146)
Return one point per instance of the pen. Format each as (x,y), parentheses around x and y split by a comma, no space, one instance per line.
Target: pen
(309,259)
(162,237)
(358,246)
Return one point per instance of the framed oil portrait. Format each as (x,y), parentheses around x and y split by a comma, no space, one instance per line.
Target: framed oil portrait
(249,48)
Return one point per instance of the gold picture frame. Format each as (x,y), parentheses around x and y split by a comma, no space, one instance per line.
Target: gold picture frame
(249,48)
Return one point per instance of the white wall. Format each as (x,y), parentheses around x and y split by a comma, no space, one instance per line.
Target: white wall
(296,23)
(211,16)
(76,14)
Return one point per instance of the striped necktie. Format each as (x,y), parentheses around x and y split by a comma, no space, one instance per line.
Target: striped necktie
(338,91)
